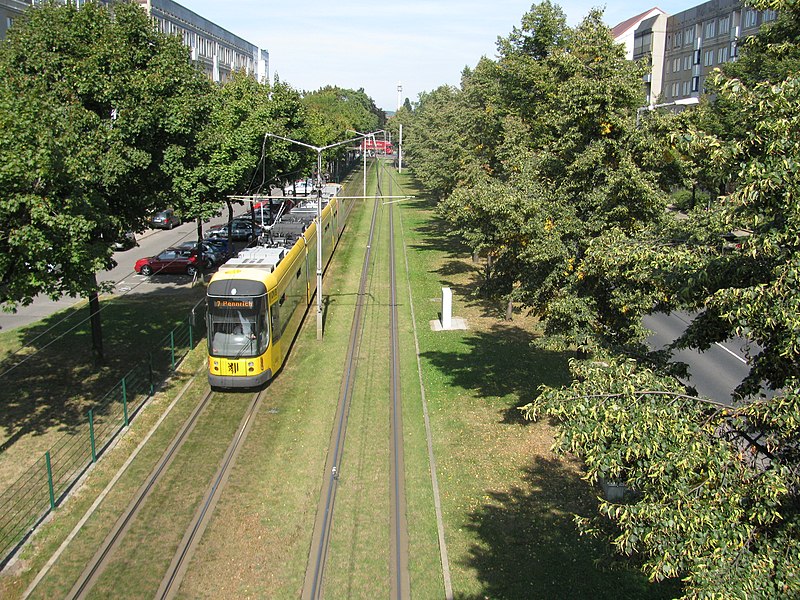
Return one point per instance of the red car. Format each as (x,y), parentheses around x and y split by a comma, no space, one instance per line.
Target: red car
(171,260)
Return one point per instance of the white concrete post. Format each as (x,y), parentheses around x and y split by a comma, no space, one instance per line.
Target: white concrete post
(447,308)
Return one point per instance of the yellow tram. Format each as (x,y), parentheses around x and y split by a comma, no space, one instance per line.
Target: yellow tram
(257,301)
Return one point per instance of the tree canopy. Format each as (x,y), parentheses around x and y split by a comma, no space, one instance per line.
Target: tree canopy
(98,112)
(540,163)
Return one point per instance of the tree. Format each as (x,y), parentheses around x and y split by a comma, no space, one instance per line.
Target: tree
(98,112)
(336,113)
(714,491)
(576,163)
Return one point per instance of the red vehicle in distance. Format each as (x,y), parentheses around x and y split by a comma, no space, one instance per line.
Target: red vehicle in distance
(381,147)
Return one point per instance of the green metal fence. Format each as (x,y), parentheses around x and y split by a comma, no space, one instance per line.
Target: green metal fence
(26,502)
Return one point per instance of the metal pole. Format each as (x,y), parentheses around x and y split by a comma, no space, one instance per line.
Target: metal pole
(319,244)
(91,435)
(400,151)
(364,154)
(50,480)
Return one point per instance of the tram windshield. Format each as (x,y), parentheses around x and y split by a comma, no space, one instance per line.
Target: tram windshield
(237,329)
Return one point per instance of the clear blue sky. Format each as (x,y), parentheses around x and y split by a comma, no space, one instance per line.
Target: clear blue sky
(421,44)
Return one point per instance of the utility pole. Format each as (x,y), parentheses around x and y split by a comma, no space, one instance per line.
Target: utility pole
(400,151)
(399,94)
(318,185)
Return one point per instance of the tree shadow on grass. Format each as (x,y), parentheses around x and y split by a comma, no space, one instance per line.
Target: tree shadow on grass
(502,362)
(435,232)
(528,545)
(436,235)
(53,381)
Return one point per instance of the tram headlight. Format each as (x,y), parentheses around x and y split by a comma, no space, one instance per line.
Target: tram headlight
(251,366)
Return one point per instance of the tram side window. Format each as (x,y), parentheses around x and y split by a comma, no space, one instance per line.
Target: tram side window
(294,297)
(276,322)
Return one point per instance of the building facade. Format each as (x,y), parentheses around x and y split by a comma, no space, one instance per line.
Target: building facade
(703,38)
(643,37)
(216,51)
(683,49)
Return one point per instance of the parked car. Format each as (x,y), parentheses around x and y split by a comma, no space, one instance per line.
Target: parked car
(125,241)
(301,187)
(213,255)
(241,231)
(221,247)
(171,260)
(165,219)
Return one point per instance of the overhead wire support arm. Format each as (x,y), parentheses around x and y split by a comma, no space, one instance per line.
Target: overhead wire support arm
(318,187)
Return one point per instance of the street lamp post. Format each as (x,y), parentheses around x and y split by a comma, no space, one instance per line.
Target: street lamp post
(319,150)
(364,136)
(680,102)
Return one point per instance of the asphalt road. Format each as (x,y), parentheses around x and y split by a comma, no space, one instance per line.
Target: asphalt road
(714,373)
(123,277)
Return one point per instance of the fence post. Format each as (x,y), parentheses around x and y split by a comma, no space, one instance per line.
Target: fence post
(150,370)
(124,402)
(172,348)
(191,337)
(91,435)
(50,480)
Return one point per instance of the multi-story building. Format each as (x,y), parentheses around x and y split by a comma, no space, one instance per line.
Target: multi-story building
(643,37)
(215,50)
(689,45)
(10,10)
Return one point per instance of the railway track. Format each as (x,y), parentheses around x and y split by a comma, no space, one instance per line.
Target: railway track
(401,582)
(105,553)
(314,582)
(313,587)
(180,561)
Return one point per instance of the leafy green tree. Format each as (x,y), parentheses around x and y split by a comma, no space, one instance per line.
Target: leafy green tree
(98,113)
(234,156)
(713,491)
(336,113)
(571,150)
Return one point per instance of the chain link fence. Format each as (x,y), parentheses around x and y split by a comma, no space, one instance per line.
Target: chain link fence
(26,502)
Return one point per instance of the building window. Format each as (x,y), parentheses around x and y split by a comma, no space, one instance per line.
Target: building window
(708,58)
(642,44)
(733,50)
(685,88)
(769,15)
(711,29)
(676,65)
(724,25)
(687,62)
(722,55)
(696,57)
(675,89)
(688,35)
(750,18)
(678,39)
(695,83)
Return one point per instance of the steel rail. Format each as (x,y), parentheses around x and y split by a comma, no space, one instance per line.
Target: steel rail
(312,586)
(99,561)
(401,580)
(177,569)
